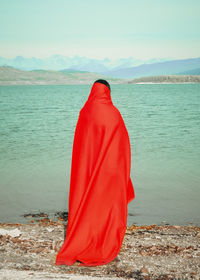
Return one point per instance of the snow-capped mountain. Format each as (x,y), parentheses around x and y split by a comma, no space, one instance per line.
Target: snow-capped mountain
(80,63)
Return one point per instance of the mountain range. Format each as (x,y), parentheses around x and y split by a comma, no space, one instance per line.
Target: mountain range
(127,68)
(173,67)
(80,63)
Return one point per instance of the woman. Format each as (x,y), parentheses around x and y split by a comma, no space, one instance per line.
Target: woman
(100,183)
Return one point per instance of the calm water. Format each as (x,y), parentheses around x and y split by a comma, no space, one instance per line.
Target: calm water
(37,126)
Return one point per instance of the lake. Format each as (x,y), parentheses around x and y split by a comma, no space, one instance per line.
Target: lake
(37,126)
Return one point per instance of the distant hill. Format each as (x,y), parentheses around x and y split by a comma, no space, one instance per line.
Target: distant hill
(167,79)
(190,72)
(154,69)
(69,70)
(14,76)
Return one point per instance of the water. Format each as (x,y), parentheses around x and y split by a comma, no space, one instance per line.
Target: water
(37,126)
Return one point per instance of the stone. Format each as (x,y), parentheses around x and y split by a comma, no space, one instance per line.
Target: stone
(144,270)
(13,232)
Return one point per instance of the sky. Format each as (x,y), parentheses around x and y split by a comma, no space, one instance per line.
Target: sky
(143,29)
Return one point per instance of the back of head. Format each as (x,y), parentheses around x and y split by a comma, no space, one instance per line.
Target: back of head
(103,82)
(100,92)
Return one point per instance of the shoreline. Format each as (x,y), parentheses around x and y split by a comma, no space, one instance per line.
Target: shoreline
(148,252)
(37,217)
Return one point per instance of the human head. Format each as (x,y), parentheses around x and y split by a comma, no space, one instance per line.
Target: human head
(103,82)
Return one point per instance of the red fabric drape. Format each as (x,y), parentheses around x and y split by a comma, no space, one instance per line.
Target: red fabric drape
(100,183)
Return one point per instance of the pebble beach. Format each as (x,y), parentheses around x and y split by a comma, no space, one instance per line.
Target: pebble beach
(28,251)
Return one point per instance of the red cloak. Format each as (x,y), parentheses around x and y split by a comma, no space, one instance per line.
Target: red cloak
(100,183)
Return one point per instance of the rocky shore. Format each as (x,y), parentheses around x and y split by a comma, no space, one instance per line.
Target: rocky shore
(28,251)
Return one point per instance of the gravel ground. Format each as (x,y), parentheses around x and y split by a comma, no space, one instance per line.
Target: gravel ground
(28,251)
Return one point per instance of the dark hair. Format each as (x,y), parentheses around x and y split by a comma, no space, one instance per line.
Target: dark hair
(103,82)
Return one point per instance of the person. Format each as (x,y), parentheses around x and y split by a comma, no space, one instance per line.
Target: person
(100,183)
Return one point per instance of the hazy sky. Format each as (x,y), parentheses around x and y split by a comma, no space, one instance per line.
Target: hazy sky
(142,29)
